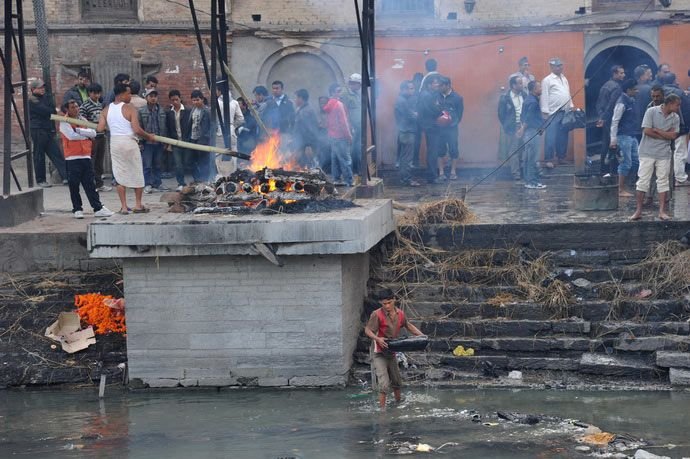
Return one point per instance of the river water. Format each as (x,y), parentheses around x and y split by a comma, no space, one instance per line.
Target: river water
(329,424)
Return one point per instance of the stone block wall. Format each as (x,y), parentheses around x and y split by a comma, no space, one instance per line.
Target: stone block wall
(225,320)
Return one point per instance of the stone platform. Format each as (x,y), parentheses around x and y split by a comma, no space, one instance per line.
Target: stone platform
(268,300)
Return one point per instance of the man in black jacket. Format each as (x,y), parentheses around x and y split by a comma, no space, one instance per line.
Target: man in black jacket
(453,104)
(176,120)
(509,111)
(78,92)
(306,132)
(43,133)
(429,109)
(406,121)
(608,95)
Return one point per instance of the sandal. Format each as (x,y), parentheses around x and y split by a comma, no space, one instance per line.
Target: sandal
(124,212)
(143,210)
(453,177)
(549,165)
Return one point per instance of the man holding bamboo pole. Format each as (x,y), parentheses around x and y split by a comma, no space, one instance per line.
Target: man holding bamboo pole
(123,122)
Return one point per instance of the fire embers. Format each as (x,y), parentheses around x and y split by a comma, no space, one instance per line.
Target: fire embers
(244,190)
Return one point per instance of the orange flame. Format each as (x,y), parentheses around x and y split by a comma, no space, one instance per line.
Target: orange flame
(268,154)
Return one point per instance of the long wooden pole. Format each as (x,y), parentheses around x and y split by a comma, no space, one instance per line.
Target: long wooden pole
(246,99)
(161,139)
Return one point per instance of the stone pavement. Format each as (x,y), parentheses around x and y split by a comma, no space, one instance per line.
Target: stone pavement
(495,201)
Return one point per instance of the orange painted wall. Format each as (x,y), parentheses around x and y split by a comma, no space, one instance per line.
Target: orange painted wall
(478,70)
(674,49)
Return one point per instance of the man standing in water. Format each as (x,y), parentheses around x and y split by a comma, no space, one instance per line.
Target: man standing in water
(385,323)
(123,121)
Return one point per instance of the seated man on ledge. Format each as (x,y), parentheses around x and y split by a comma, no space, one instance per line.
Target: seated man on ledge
(385,323)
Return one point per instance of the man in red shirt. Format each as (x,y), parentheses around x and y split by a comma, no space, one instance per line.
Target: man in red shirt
(339,136)
(385,323)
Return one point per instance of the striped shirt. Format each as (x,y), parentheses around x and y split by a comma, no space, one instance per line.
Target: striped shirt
(91,110)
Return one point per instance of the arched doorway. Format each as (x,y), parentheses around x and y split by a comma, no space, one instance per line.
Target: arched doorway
(597,73)
(301,67)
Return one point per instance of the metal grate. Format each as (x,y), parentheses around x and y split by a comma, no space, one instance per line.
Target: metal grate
(416,7)
(619,5)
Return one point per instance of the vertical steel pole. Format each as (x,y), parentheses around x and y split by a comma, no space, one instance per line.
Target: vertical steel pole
(372,76)
(202,53)
(214,65)
(7,107)
(25,94)
(223,55)
(364,37)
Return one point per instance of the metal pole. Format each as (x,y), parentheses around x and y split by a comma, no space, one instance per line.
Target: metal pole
(25,95)
(214,62)
(364,37)
(372,81)
(199,42)
(7,112)
(43,44)
(223,51)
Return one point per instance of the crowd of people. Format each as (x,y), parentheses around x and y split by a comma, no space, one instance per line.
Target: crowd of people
(531,110)
(328,136)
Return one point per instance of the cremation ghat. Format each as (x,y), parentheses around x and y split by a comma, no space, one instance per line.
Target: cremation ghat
(218,300)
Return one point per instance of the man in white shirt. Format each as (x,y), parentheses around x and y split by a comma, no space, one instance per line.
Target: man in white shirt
(555,101)
(224,163)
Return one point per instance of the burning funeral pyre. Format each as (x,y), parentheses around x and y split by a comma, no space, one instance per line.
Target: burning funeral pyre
(276,189)
(276,185)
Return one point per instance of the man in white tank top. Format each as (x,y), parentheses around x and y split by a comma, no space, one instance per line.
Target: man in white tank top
(123,123)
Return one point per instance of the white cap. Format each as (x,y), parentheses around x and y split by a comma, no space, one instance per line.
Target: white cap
(355,78)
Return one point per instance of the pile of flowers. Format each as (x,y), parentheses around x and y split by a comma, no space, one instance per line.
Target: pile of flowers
(105,313)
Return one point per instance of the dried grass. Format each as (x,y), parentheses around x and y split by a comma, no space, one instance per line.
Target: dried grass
(502,299)
(451,211)
(666,270)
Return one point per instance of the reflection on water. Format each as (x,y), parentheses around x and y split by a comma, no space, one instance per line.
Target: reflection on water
(325,424)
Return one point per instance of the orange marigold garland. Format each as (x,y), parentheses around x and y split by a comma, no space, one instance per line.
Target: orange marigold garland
(105,313)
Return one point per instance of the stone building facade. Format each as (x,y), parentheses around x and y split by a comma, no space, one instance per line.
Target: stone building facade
(311,43)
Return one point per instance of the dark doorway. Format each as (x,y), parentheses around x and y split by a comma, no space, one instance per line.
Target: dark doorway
(597,73)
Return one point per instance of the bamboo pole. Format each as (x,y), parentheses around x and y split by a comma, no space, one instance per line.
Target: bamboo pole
(161,139)
(259,121)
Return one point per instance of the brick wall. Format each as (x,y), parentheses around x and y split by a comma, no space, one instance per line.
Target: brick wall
(241,320)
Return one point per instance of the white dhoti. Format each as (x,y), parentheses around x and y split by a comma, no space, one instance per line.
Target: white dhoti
(125,155)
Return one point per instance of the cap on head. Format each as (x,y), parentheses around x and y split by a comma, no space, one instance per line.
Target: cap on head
(150,91)
(555,61)
(355,78)
(37,83)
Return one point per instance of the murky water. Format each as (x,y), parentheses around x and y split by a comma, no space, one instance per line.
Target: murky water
(327,424)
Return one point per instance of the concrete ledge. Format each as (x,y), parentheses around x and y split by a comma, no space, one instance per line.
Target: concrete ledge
(21,207)
(347,231)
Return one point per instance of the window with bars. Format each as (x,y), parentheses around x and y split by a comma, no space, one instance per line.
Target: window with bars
(109,10)
(407,7)
(619,5)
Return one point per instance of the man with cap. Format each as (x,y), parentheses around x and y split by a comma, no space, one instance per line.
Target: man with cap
(523,72)
(43,133)
(385,323)
(352,98)
(152,120)
(625,128)
(555,100)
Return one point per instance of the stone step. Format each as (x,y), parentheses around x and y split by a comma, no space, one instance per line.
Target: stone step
(503,328)
(594,311)
(601,329)
(631,343)
(621,366)
(500,275)
(511,363)
(669,359)
(435,292)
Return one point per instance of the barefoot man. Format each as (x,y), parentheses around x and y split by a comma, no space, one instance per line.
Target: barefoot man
(123,122)
(385,323)
(660,127)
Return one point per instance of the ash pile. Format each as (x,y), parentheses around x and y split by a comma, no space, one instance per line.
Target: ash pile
(264,191)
